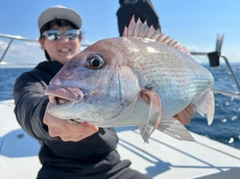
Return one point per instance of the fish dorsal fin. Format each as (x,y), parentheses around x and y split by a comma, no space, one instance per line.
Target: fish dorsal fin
(139,29)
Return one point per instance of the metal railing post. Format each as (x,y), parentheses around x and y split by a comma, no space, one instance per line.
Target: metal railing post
(5,52)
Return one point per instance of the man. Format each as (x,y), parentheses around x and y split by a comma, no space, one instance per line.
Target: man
(142,9)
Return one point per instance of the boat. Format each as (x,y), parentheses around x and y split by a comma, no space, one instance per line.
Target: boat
(162,158)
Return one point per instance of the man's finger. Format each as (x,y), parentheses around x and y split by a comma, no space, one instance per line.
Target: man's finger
(183,117)
(190,110)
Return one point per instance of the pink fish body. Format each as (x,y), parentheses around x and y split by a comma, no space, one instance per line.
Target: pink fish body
(141,79)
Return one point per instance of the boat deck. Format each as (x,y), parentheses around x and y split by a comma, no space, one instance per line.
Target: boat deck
(163,158)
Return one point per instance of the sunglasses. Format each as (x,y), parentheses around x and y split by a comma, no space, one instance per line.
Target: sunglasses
(55,34)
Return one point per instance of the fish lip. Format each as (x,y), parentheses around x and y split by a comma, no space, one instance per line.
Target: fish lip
(70,95)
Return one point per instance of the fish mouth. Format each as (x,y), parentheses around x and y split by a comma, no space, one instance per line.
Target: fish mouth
(60,102)
(64,97)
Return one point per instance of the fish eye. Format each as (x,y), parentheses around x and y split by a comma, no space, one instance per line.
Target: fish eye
(95,62)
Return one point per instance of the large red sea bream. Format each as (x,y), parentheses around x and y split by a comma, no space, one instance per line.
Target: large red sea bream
(141,79)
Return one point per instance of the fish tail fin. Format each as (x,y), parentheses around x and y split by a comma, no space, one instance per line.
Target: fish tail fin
(175,129)
(206,105)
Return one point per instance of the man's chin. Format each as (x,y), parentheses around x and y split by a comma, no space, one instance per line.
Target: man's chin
(65,59)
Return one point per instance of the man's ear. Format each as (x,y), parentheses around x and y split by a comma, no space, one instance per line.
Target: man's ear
(80,39)
(41,41)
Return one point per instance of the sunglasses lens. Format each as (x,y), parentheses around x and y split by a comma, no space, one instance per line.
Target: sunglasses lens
(54,35)
(72,34)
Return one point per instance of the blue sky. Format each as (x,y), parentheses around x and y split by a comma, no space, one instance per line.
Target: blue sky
(193,23)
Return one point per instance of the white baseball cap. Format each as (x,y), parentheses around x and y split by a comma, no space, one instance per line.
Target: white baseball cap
(59,12)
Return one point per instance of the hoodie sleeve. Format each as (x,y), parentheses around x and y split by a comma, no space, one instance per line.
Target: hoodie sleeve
(30,104)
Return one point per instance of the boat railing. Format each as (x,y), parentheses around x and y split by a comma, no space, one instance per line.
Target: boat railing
(237,94)
(214,61)
(12,38)
(214,58)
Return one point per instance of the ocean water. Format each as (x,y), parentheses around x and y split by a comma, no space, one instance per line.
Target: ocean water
(225,127)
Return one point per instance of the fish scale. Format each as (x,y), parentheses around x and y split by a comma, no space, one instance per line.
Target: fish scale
(170,72)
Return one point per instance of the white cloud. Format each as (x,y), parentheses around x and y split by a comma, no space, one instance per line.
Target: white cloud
(3,45)
(87,42)
(22,52)
(192,48)
(32,44)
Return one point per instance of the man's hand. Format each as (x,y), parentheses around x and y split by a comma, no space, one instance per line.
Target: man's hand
(185,115)
(65,130)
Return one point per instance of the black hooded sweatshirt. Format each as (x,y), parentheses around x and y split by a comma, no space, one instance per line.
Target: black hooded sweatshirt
(93,157)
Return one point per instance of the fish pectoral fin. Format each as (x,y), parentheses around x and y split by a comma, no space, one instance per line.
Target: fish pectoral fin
(155,106)
(206,105)
(175,129)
